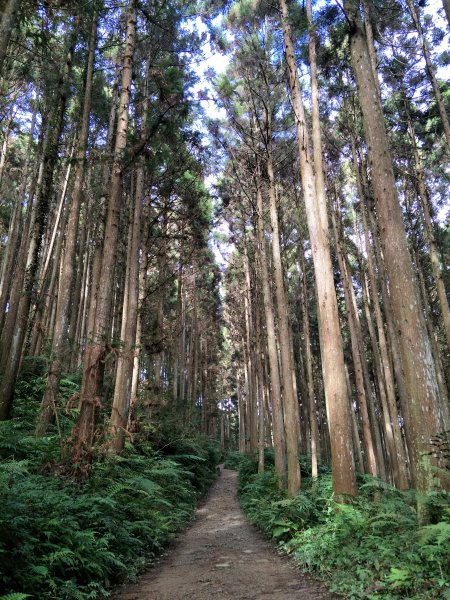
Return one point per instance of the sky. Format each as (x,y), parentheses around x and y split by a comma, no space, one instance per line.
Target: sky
(219,62)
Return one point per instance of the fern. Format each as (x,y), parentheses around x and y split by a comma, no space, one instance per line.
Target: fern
(59,539)
(15,468)
(438,534)
(365,550)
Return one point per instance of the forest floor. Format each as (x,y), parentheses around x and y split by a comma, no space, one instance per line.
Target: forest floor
(221,556)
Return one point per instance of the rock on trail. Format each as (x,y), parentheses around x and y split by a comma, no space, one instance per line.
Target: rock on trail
(221,556)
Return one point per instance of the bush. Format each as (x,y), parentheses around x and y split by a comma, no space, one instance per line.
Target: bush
(64,540)
(370,549)
(235,460)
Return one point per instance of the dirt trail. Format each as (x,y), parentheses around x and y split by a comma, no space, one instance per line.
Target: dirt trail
(221,557)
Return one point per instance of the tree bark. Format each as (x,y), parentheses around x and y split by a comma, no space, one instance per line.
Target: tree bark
(7,25)
(252,430)
(358,358)
(16,229)
(381,357)
(430,70)
(60,338)
(83,432)
(260,381)
(124,374)
(277,406)
(314,427)
(336,394)
(436,265)
(446,5)
(420,377)
(14,332)
(289,396)
(241,415)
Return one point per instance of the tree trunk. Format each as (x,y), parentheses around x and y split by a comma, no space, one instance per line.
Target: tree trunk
(260,381)
(7,25)
(420,378)
(241,415)
(388,347)
(16,229)
(314,428)
(14,332)
(252,430)
(60,338)
(277,406)
(382,362)
(5,145)
(434,255)
(443,395)
(358,357)
(79,307)
(289,396)
(336,395)
(446,5)
(83,433)
(430,70)
(124,374)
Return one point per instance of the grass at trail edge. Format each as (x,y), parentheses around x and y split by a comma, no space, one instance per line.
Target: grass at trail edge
(371,549)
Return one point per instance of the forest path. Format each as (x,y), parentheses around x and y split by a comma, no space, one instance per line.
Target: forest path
(221,556)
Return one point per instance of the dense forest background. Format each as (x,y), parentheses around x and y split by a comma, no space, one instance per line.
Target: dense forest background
(196,262)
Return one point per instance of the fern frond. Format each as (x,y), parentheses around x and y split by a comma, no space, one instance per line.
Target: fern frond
(439,533)
(15,467)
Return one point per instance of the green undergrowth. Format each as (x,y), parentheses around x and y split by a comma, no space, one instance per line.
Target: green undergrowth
(370,549)
(65,540)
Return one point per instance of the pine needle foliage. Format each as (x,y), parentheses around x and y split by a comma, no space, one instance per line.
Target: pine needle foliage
(372,548)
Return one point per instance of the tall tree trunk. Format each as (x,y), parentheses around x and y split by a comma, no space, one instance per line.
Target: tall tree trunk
(446,5)
(241,415)
(358,357)
(314,428)
(137,350)
(37,322)
(41,317)
(315,117)
(420,377)
(443,395)
(159,312)
(60,338)
(359,460)
(388,346)
(252,430)
(7,25)
(12,300)
(78,310)
(83,433)
(122,389)
(177,336)
(14,332)
(124,374)
(259,376)
(336,394)
(381,358)
(5,145)
(275,379)
(434,255)
(289,396)
(16,229)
